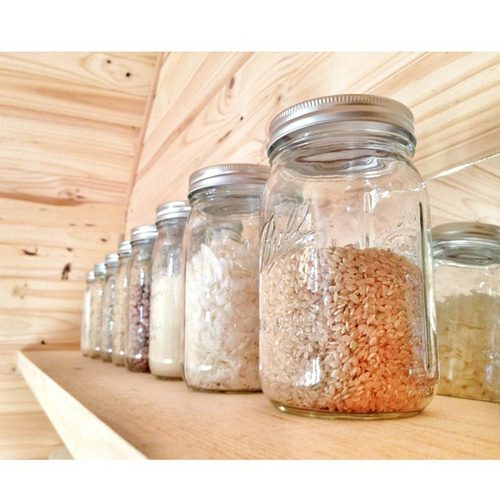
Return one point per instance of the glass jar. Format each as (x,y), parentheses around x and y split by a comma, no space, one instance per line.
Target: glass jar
(139,288)
(108,304)
(85,332)
(467,277)
(96,309)
(120,311)
(222,258)
(167,291)
(346,297)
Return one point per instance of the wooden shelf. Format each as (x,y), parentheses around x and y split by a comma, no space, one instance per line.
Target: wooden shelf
(103,411)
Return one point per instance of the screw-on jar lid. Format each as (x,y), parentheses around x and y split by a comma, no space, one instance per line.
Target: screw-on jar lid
(467,242)
(124,248)
(100,269)
(228,173)
(143,232)
(172,210)
(342,108)
(112,260)
(90,277)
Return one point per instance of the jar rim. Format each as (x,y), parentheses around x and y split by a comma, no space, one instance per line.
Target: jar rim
(143,232)
(342,109)
(100,269)
(467,242)
(172,210)
(226,174)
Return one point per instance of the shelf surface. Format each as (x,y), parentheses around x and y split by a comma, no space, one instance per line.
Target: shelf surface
(101,410)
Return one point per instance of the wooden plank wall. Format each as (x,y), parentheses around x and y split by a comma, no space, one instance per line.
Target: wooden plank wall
(70,127)
(216,107)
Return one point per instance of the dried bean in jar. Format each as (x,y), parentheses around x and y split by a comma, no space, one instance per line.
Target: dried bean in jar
(138,330)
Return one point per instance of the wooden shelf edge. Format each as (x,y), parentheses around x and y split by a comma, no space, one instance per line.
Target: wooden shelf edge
(84,434)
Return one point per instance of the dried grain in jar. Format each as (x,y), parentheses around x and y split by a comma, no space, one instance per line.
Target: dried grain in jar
(120,311)
(86,313)
(221,300)
(139,291)
(167,291)
(467,276)
(346,284)
(108,305)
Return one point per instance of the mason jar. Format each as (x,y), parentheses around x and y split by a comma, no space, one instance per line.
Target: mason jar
(120,311)
(221,334)
(346,294)
(96,309)
(467,277)
(108,304)
(167,291)
(139,289)
(85,331)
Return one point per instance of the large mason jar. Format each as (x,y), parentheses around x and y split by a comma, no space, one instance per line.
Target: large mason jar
(120,311)
(87,302)
(467,277)
(108,304)
(346,302)
(167,291)
(221,334)
(139,290)
(96,310)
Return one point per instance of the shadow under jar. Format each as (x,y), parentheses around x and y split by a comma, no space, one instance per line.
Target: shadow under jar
(221,332)
(167,291)
(346,297)
(108,305)
(139,290)
(467,277)
(120,311)
(96,309)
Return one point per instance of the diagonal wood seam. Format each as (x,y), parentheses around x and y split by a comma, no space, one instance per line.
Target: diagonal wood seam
(191,117)
(161,58)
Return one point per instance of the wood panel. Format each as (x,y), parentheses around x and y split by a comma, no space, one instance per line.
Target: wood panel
(212,108)
(70,129)
(164,419)
(468,194)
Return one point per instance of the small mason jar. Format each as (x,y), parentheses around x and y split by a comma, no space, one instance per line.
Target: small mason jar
(221,334)
(87,304)
(346,296)
(139,289)
(467,277)
(120,311)
(108,305)
(167,291)
(96,309)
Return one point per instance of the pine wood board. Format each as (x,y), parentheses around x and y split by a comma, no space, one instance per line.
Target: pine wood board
(82,85)
(219,108)
(164,419)
(469,194)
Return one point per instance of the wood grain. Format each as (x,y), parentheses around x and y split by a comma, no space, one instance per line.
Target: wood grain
(85,435)
(469,194)
(70,126)
(164,419)
(216,108)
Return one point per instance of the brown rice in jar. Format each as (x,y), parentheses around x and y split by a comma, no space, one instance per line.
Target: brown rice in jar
(347,316)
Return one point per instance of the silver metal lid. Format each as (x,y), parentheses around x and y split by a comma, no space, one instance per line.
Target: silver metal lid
(100,269)
(341,108)
(172,210)
(112,260)
(124,248)
(143,232)
(228,173)
(90,277)
(467,242)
